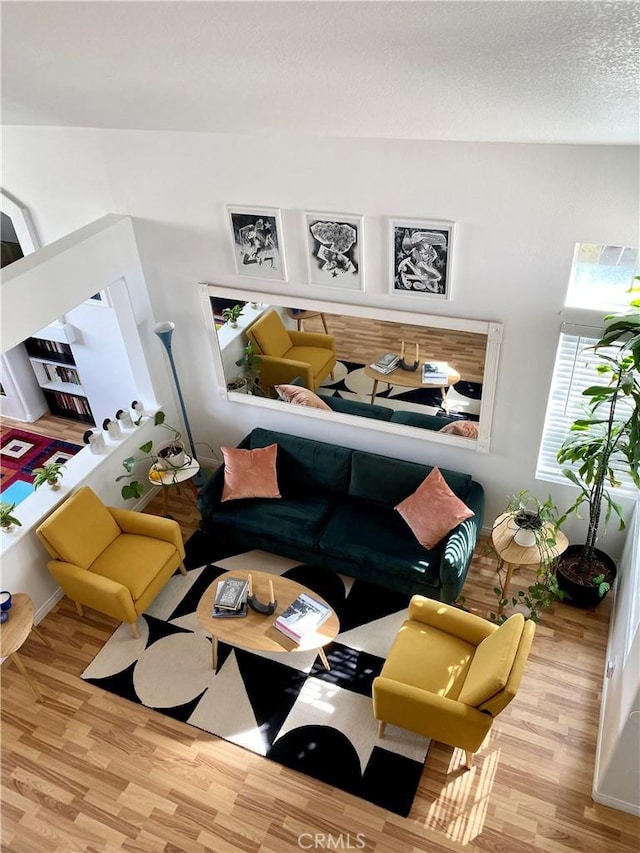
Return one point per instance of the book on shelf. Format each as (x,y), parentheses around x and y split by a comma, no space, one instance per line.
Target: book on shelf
(303,616)
(231,594)
(387,363)
(434,372)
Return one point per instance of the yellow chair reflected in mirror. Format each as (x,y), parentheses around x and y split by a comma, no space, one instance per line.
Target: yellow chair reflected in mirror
(113,560)
(288,354)
(450,673)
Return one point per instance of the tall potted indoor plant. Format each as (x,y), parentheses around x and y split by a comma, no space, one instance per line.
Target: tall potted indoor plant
(606,439)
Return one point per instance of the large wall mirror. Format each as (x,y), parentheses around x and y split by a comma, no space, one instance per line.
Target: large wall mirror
(454,405)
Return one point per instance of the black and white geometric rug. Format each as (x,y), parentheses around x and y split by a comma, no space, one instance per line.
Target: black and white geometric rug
(351,382)
(283,706)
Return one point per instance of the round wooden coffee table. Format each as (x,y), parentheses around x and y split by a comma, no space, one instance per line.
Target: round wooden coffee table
(255,631)
(410,379)
(15,631)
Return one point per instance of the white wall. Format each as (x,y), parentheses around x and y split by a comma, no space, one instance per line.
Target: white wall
(519,211)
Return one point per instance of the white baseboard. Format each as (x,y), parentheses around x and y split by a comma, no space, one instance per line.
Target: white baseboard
(614,803)
(49,604)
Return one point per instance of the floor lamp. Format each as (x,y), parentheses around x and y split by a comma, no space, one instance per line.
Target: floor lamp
(164,331)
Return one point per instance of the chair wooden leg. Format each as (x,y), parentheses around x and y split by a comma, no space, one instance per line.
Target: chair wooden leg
(183,571)
(134,630)
(468,756)
(14,657)
(79,609)
(381,727)
(41,637)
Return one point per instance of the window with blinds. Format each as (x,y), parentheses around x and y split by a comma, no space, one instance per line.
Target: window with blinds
(575,370)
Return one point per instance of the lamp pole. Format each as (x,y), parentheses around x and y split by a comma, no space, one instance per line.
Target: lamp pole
(164,331)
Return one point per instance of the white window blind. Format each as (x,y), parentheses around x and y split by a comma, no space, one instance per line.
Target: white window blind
(575,370)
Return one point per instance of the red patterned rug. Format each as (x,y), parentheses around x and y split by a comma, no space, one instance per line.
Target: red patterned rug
(22,451)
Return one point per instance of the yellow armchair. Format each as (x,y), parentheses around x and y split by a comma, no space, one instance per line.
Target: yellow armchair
(287,354)
(113,560)
(450,673)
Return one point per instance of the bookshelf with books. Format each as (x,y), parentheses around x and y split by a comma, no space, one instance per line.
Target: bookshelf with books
(53,363)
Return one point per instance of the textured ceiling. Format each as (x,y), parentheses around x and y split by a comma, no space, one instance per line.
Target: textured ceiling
(505,71)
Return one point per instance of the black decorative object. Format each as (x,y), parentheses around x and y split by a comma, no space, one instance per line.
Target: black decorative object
(255,604)
(407,366)
(259,607)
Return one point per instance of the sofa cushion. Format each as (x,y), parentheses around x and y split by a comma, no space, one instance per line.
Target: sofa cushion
(296,522)
(390,481)
(449,659)
(368,533)
(318,358)
(433,510)
(250,473)
(271,335)
(417,419)
(301,397)
(134,561)
(304,465)
(492,662)
(80,529)
(355,407)
(467,429)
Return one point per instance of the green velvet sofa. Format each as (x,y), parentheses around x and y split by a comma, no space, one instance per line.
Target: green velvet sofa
(337,511)
(385,413)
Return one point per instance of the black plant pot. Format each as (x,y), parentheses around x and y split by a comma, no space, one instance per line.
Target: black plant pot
(584,594)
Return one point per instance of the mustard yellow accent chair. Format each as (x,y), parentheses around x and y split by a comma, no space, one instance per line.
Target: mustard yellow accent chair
(450,673)
(287,354)
(113,560)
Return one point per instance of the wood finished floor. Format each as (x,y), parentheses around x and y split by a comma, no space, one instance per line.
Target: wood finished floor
(87,772)
(362,340)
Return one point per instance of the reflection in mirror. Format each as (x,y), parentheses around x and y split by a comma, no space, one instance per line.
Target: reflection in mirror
(450,399)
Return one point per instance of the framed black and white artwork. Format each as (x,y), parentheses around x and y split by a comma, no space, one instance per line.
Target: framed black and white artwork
(258,246)
(335,250)
(421,257)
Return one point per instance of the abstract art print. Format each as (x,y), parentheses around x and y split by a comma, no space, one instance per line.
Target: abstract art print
(258,249)
(334,250)
(421,256)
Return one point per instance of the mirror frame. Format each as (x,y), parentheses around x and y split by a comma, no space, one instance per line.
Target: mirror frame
(493,331)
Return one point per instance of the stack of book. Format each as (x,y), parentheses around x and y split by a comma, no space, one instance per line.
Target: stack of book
(302,617)
(231,598)
(387,363)
(434,373)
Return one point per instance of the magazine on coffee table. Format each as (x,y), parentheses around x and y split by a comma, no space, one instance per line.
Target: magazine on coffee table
(303,616)
(434,372)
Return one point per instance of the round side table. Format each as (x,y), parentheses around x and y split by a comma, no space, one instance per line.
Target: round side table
(301,315)
(15,631)
(512,555)
(174,477)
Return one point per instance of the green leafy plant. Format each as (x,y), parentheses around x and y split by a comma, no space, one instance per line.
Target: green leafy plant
(602,584)
(607,439)
(135,489)
(528,512)
(7,518)
(50,473)
(250,362)
(231,315)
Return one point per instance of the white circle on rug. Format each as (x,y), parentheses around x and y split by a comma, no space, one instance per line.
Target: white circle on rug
(173,670)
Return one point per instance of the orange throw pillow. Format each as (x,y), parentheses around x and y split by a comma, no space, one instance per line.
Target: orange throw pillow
(433,510)
(250,473)
(468,429)
(301,396)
